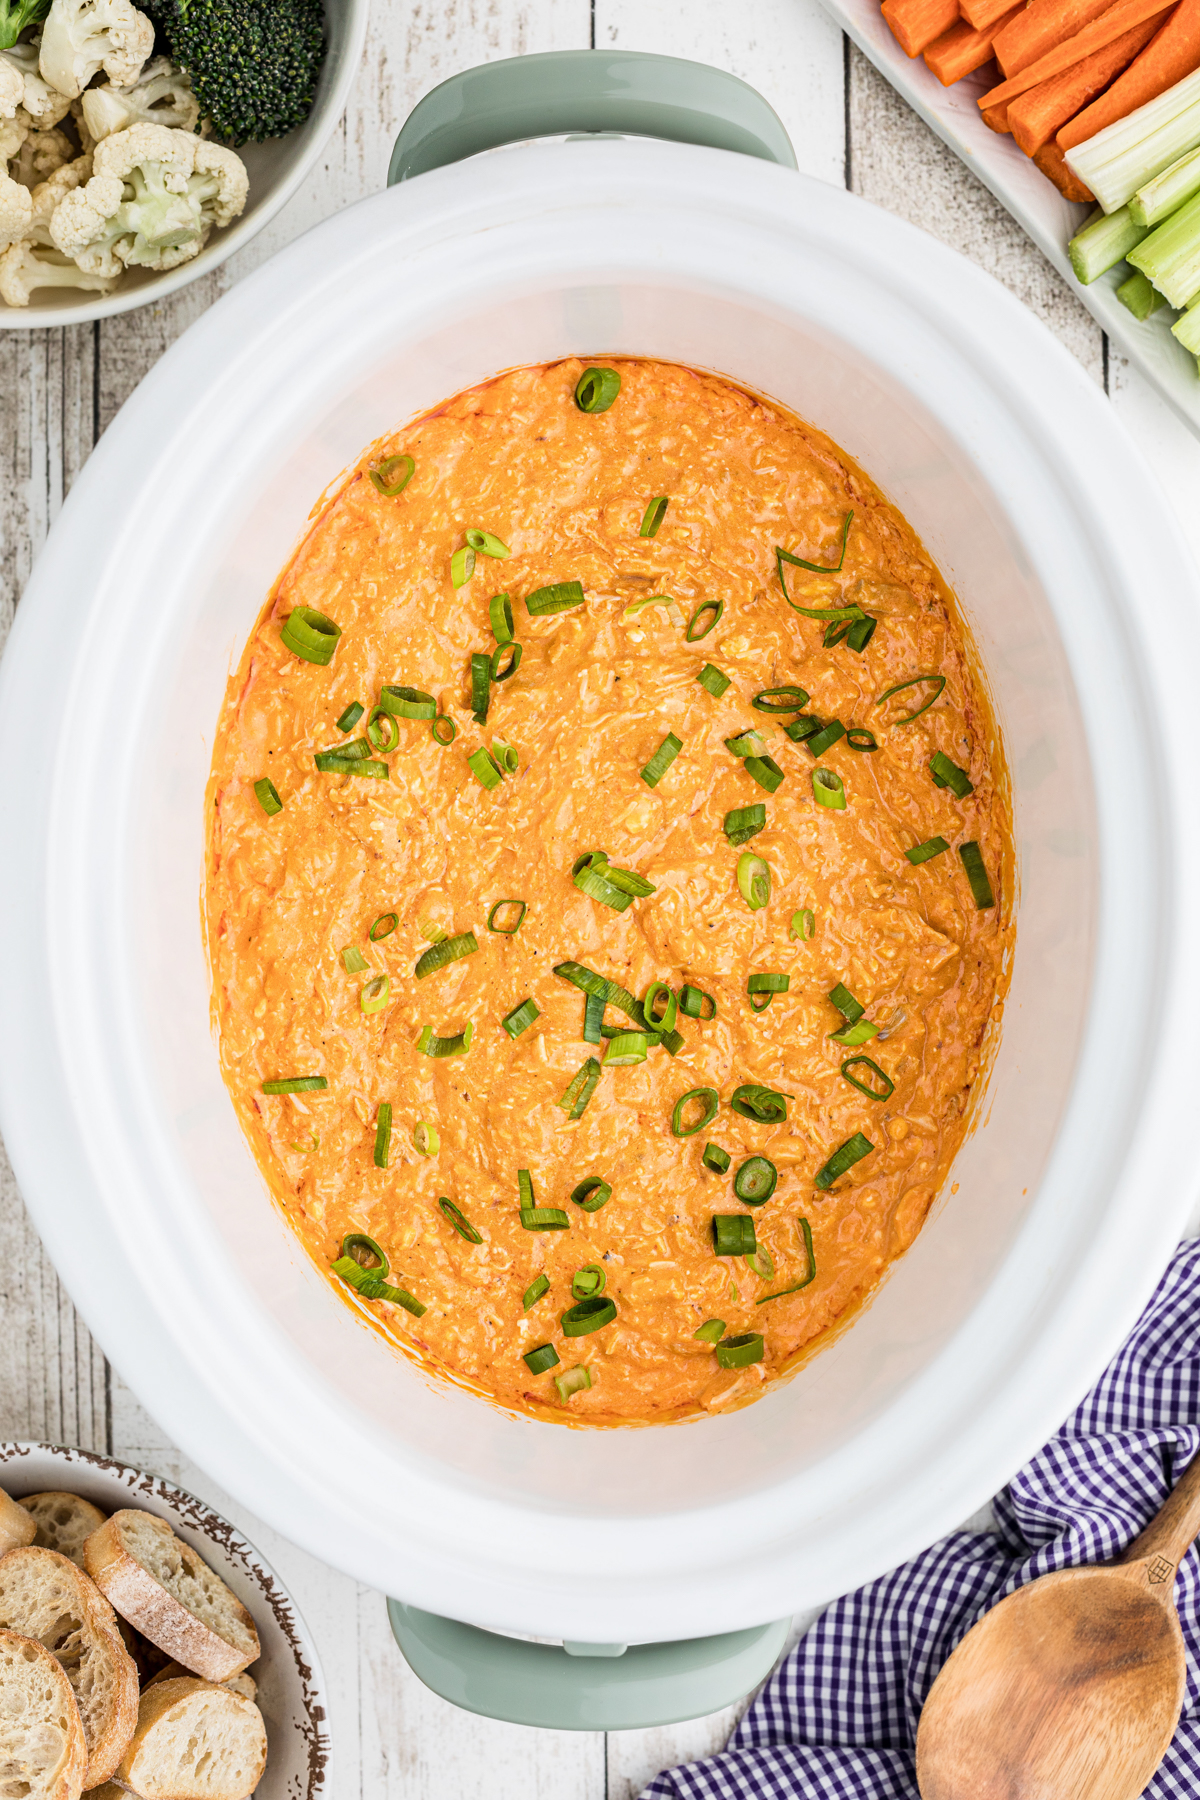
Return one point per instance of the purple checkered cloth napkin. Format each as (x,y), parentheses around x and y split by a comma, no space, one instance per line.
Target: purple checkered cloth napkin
(838,1719)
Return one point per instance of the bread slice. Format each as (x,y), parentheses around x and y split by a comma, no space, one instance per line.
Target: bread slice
(43,1755)
(161,1586)
(44,1596)
(242,1684)
(63,1521)
(195,1741)
(16,1525)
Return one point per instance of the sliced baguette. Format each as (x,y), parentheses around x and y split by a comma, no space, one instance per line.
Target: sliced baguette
(195,1741)
(44,1596)
(162,1587)
(43,1755)
(16,1525)
(63,1521)
(242,1684)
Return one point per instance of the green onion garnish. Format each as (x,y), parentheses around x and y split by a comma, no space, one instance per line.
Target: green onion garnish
(859,635)
(843,1158)
(754,880)
(587,1282)
(803,923)
(481,681)
(850,1036)
(663,1021)
(353,960)
(520,1018)
(310,635)
(923,853)
(806,726)
(560,597)
(865,1087)
(368,1280)
(740,1352)
(296,1084)
(403,464)
(458,1045)
(500,614)
(593,875)
(268,799)
(715,1158)
(653,516)
(383,741)
(538,1286)
(511,929)
(591,1193)
(762,1104)
(541,1359)
(947,774)
(859,738)
(383,1134)
(745,822)
(820,741)
(710,1102)
(762,989)
(711,1331)
(596,390)
(798,562)
(644,600)
(712,680)
(850,1008)
(426,1141)
(373,995)
(762,1263)
(495,668)
(787,699)
(358,1240)
(458,1220)
(448,950)
(580,1089)
(357,750)
(444,729)
(696,627)
(755,1181)
(383,926)
(746,743)
(981,887)
(333,762)
(662,759)
(939,682)
(407,702)
(671,1042)
(462,565)
(626,1048)
(574,1381)
(351,716)
(733,1234)
(587,1316)
(692,1001)
(765,770)
(505,757)
(829,790)
(835,631)
(484,769)
(796,1286)
(544,1218)
(485,544)
(593,1019)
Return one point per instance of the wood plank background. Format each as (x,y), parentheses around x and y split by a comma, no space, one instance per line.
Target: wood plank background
(392,1740)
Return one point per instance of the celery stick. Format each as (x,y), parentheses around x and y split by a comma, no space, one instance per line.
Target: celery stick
(1170,256)
(1168,191)
(1138,295)
(1187,330)
(1099,245)
(1126,155)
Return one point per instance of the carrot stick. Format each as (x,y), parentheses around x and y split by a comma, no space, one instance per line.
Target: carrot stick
(1111,25)
(1042,26)
(982,13)
(1049,160)
(1034,118)
(916,23)
(962,49)
(1167,58)
(996,118)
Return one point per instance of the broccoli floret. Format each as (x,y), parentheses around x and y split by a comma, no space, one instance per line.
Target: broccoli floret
(253,63)
(15,15)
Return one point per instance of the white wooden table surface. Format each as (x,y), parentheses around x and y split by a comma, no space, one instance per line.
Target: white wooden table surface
(392,1740)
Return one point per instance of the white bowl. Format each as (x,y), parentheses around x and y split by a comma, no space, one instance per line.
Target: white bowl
(1071,1191)
(291,1688)
(276,170)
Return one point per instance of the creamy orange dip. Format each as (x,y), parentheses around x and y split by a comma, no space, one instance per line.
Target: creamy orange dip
(292,895)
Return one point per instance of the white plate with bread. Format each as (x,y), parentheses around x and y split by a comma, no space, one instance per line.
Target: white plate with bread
(146,1648)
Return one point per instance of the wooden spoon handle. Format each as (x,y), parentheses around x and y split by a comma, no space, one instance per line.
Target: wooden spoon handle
(1171,1532)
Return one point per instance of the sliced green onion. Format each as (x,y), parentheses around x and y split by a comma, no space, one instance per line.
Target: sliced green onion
(626,1048)
(514,661)
(762,1263)
(458,1045)
(538,1286)
(353,960)
(391,464)
(865,1087)
(383,926)
(481,681)
(591,1193)
(330,763)
(310,635)
(765,770)
(587,1282)
(861,1032)
(664,1020)
(593,1018)
(746,743)
(385,743)
(485,544)
(653,517)
(587,1316)
(803,923)
(544,1218)
(859,738)
(762,1104)
(369,1280)
(525,1188)
(444,729)
(662,759)
(484,769)
(462,565)
(712,680)
(981,887)
(357,750)
(829,790)
(267,797)
(351,716)
(374,994)
(859,635)
(711,1331)
(733,1234)
(296,1084)
(850,1008)
(947,774)
(575,1381)
(710,1101)
(798,562)
(692,1001)
(541,1359)
(923,853)
(596,390)
(500,614)
(426,1141)
(938,681)
(666,601)
(804,727)
(820,741)
(505,757)
(561,596)
(520,1018)
(445,951)
(755,1181)
(407,702)
(767,986)
(507,930)
(812,1269)
(383,1134)
(586,980)
(458,1220)
(715,1158)
(789,699)
(754,880)
(835,631)
(580,1089)
(593,875)
(671,1042)
(698,626)
(358,1240)
(843,1158)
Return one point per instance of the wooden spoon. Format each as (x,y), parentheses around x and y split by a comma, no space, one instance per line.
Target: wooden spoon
(1071,1688)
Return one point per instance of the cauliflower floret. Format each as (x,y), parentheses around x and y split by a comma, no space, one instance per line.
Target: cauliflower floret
(47,195)
(39,155)
(162,95)
(25,267)
(16,210)
(43,103)
(12,88)
(151,203)
(81,37)
(13,133)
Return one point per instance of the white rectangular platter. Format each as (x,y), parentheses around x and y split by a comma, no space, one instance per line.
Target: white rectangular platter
(1032,200)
